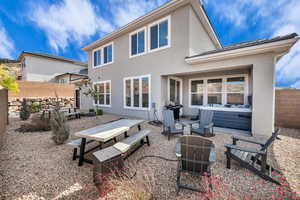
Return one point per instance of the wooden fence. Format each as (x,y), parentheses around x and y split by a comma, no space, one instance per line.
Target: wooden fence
(3,114)
(287,108)
(31,89)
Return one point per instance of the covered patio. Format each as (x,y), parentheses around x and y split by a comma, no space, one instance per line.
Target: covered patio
(227,92)
(237,82)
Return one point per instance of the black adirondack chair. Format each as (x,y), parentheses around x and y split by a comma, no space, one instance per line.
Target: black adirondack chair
(196,156)
(250,158)
(169,127)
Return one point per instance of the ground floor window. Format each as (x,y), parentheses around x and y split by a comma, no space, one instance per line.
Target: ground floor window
(104,93)
(137,92)
(218,91)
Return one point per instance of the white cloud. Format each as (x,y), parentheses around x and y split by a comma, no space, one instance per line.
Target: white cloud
(6,44)
(124,13)
(280,17)
(296,85)
(68,21)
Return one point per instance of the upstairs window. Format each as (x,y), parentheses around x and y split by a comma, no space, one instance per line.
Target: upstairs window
(160,34)
(103,55)
(137,42)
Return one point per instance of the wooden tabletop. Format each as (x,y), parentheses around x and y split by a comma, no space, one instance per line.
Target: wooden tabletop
(105,132)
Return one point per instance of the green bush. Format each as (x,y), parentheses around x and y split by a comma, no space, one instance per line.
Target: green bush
(59,127)
(25,110)
(35,107)
(91,110)
(99,112)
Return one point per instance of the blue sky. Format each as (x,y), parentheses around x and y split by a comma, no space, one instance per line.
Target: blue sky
(63,27)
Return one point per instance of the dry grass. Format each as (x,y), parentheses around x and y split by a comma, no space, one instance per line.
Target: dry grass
(33,167)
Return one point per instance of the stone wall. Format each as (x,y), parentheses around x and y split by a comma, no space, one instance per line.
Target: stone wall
(15,103)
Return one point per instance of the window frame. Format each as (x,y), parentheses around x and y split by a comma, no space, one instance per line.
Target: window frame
(145,42)
(224,89)
(190,92)
(140,92)
(168,18)
(102,55)
(105,93)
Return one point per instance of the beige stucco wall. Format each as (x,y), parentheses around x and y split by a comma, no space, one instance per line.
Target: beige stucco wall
(199,40)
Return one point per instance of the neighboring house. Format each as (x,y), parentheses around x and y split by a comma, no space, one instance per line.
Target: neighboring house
(45,67)
(173,54)
(77,78)
(13,66)
(72,77)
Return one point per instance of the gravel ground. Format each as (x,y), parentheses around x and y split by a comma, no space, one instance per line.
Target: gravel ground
(33,167)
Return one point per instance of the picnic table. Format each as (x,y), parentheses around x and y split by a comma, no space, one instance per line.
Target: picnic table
(104,133)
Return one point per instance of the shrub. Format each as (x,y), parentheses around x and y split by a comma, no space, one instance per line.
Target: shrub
(38,123)
(91,110)
(60,129)
(99,112)
(121,185)
(25,110)
(35,107)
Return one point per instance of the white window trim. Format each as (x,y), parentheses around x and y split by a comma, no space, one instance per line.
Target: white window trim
(190,93)
(181,87)
(105,93)
(102,55)
(140,92)
(224,89)
(145,42)
(169,34)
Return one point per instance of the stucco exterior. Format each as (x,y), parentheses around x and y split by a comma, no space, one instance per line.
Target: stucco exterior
(188,37)
(44,69)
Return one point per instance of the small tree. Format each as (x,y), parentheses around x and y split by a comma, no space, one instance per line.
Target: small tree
(8,81)
(92,91)
(25,110)
(59,127)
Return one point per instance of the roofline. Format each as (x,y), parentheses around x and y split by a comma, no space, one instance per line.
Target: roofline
(199,9)
(60,58)
(71,74)
(278,47)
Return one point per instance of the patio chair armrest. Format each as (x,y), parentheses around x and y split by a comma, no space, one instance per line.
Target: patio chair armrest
(212,156)
(194,122)
(209,126)
(230,146)
(235,138)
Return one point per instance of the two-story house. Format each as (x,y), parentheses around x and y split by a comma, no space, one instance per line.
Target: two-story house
(45,67)
(173,54)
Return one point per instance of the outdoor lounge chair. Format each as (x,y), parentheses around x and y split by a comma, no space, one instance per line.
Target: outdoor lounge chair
(169,127)
(205,124)
(196,155)
(250,158)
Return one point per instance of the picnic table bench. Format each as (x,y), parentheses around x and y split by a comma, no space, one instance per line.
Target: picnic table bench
(103,134)
(110,158)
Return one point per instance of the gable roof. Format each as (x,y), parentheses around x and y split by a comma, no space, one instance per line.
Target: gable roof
(159,12)
(246,44)
(60,58)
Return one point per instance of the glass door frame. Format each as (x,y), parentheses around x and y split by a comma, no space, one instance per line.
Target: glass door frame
(180,87)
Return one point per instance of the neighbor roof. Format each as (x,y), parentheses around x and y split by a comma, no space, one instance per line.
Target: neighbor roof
(60,58)
(246,44)
(82,72)
(4,60)
(165,8)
